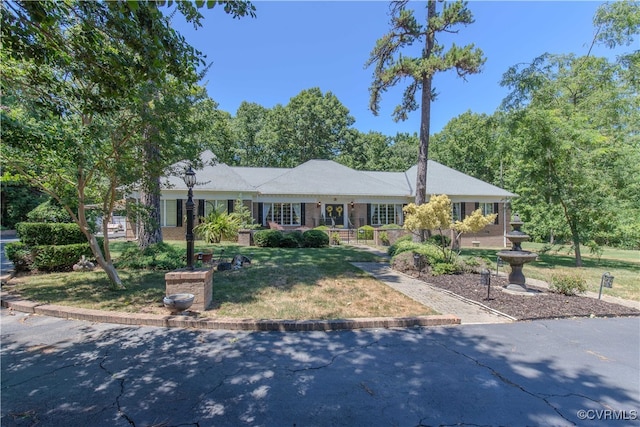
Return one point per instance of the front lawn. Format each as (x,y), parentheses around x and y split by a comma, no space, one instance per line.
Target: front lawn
(308,283)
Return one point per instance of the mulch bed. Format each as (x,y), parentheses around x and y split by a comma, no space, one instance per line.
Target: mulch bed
(545,305)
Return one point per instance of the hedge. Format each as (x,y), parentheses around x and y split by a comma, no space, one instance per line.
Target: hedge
(267,238)
(59,257)
(49,233)
(315,239)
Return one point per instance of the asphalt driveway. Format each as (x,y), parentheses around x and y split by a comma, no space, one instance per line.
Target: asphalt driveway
(58,372)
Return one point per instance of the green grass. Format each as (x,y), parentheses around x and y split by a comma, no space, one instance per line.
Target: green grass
(624,265)
(308,283)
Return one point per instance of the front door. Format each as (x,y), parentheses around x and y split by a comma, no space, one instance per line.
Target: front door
(334,214)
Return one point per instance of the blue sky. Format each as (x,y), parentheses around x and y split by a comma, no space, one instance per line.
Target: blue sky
(296,45)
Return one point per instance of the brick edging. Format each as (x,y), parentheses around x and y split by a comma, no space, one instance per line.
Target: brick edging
(228,323)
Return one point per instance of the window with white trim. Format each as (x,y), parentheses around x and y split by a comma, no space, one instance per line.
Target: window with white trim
(282,213)
(169,213)
(487,208)
(456,211)
(382,214)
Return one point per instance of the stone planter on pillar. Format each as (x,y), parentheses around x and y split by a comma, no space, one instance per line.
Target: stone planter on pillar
(198,282)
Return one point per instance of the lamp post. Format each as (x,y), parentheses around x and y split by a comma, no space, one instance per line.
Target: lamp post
(190,180)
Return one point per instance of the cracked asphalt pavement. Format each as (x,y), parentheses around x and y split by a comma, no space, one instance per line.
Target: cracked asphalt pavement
(58,372)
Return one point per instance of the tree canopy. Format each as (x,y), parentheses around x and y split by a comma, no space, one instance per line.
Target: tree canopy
(81,81)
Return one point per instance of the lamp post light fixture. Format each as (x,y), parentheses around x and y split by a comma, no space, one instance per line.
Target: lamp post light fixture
(190,180)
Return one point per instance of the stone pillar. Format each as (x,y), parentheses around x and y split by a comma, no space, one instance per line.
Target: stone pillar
(245,237)
(198,282)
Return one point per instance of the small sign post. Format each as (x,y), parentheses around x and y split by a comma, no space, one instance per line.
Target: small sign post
(485,280)
(606,282)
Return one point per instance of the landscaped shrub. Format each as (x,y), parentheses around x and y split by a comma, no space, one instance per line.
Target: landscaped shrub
(49,211)
(59,257)
(158,256)
(20,255)
(44,233)
(432,253)
(315,239)
(568,284)
(441,268)
(365,232)
(400,241)
(384,238)
(292,239)
(476,264)
(335,238)
(218,225)
(267,238)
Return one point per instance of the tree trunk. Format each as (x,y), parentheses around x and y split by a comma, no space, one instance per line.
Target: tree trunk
(107,266)
(150,226)
(425,122)
(576,247)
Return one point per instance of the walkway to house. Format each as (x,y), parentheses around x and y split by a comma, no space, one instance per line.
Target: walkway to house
(445,302)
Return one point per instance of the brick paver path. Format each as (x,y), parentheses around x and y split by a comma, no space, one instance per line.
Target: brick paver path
(440,300)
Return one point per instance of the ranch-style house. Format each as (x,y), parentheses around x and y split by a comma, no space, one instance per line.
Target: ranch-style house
(323,192)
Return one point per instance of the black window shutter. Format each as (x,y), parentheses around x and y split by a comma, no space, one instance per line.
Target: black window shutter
(200,207)
(260,215)
(303,219)
(462,212)
(368,213)
(496,209)
(179,213)
(477,206)
(229,206)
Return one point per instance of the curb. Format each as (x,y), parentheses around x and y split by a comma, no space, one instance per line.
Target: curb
(190,322)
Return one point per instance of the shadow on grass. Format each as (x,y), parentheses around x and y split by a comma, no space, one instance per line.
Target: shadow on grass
(275,268)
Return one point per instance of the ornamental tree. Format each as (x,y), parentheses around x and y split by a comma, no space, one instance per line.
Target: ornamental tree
(436,215)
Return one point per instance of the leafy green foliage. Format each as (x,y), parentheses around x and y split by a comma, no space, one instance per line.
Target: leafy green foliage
(49,211)
(157,256)
(384,238)
(268,238)
(365,232)
(440,240)
(470,143)
(568,284)
(218,225)
(400,242)
(46,233)
(59,257)
(17,199)
(315,239)
(441,268)
(292,239)
(19,254)
(313,125)
(575,171)
(243,216)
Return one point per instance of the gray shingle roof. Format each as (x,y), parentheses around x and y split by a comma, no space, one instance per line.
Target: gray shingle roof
(326,177)
(316,177)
